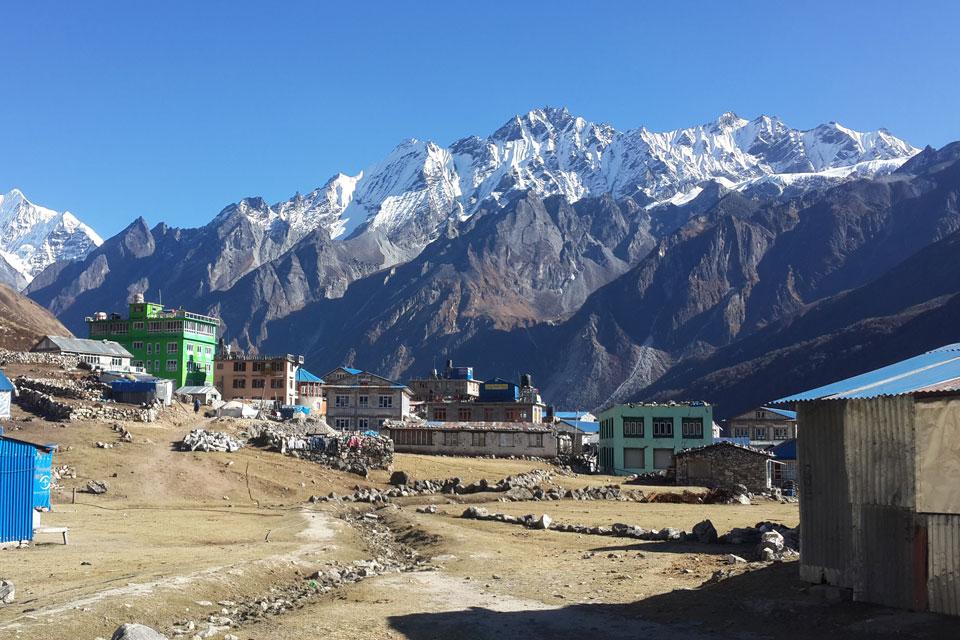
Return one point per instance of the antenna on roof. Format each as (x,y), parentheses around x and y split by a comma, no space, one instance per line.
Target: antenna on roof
(160,295)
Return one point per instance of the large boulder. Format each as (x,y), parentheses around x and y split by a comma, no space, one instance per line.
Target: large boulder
(134,631)
(399,478)
(705,532)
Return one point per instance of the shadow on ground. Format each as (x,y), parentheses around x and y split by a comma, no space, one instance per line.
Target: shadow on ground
(764,603)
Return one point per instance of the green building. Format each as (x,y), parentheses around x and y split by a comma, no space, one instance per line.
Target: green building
(643,438)
(168,343)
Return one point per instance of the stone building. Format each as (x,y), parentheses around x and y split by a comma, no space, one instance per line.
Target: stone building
(497,400)
(474,438)
(101,354)
(725,464)
(453,384)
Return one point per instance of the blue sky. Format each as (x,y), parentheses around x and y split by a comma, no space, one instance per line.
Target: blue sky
(174,110)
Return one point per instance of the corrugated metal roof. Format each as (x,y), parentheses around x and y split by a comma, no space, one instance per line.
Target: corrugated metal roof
(93,347)
(786,450)
(207,389)
(790,415)
(305,376)
(352,371)
(5,384)
(433,425)
(584,425)
(937,370)
(724,443)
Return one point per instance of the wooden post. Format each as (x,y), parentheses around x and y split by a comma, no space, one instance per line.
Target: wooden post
(74,500)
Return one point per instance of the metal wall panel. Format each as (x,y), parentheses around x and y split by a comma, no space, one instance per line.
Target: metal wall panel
(16,491)
(881,451)
(886,544)
(943,562)
(826,525)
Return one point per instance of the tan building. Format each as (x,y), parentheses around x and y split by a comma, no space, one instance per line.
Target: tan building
(474,438)
(359,400)
(257,378)
(497,401)
(764,426)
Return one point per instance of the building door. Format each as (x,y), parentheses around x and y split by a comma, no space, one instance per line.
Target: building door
(634,458)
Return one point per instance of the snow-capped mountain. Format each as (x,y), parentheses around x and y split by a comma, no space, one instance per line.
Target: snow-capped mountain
(34,237)
(409,197)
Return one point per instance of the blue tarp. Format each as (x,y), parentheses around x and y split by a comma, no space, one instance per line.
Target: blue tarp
(5,384)
(133,386)
(786,450)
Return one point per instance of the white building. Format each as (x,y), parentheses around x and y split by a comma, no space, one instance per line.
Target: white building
(102,354)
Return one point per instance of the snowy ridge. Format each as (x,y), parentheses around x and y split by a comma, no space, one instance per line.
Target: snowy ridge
(410,195)
(34,237)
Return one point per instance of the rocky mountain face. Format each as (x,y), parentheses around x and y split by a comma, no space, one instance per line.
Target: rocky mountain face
(601,261)
(34,237)
(23,322)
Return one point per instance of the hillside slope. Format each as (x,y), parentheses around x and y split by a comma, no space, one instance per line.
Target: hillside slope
(23,322)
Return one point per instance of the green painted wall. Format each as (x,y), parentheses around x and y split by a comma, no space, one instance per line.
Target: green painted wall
(612,440)
(175,345)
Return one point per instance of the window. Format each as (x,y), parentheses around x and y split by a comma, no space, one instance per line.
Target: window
(219,365)
(341,423)
(759,414)
(257,383)
(171,347)
(451,438)
(257,366)
(171,365)
(138,326)
(780,433)
(478,439)
(440,413)
(239,366)
(510,415)
(760,433)
(138,344)
(464,413)
(663,427)
(380,422)
(536,439)
(240,383)
(692,427)
(662,458)
(364,401)
(633,427)
(363,423)
(276,384)
(149,348)
(741,432)
(419,437)
(189,348)
(506,440)
(386,402)
(341,401)
(209,351)
(156,365)
(487,414)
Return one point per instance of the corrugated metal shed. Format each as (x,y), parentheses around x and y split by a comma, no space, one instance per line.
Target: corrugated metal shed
(937,370)
(83,345)
(18,461)
(5,384)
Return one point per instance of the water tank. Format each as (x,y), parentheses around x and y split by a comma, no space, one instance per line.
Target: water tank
(100,315)
(526,380)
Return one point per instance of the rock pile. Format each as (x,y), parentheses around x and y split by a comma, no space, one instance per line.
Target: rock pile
(65,388)
(352,453)
(44,405)
(776,542)
(133,631)
(608,492)
(450,486)
(97,487)
(203,440)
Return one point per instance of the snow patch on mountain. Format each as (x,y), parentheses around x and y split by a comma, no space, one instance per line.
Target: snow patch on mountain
(34,237)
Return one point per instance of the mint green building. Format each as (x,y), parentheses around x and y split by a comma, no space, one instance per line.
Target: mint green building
(168,343)
(643,438)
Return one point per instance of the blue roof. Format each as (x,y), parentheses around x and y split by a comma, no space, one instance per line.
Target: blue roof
(790,415)
(937,370)
(584,425)
(5,384)
(570,415)
(305,376)
(352,371)
(786,450)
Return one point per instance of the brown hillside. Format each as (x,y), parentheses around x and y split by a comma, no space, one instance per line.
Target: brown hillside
(23,321)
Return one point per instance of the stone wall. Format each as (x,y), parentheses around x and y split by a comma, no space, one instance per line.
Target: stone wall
(723,466)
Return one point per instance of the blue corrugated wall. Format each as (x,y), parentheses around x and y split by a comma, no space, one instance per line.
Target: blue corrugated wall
(17,463)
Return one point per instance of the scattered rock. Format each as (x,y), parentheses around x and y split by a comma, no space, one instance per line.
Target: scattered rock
(97,487)
(8,592)
(428,509)
(399,478)
(543,522)
(705,532)
(203,440)
(733,559)
(133,631)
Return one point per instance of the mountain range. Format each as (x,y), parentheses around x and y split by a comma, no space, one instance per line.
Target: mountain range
(605,262)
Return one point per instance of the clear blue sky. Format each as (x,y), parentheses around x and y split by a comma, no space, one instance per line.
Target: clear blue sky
(173,110)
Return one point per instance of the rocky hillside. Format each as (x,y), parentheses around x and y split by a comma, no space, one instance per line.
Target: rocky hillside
(23,322)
